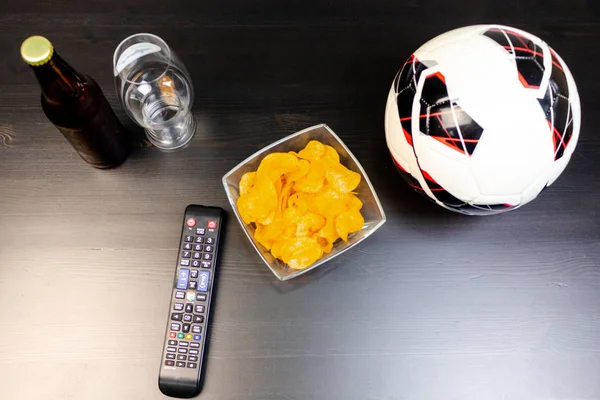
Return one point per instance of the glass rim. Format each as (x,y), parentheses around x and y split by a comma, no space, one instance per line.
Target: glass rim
(157,38)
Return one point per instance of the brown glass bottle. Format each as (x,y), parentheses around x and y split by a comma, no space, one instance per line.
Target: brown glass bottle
(75,104)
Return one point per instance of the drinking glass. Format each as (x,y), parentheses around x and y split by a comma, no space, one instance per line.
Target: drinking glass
(155,89)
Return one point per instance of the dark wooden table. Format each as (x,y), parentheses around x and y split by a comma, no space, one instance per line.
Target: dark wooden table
(434,306)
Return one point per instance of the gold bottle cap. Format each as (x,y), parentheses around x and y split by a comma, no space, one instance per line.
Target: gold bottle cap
(36,50)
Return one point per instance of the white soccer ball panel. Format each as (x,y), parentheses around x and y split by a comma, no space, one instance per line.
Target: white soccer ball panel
(448,170)
(535,188)
(451,36)
(506,163)
(556,169)
(512,200)
(396,141)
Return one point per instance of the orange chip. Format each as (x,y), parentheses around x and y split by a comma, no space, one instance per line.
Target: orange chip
(284,196)
(276,164)
(355,201)
(242,206)
(266,220)
(348,222)
(326,245)
(301,170)
(274,230)
(329,202)
(314,180)
(341,178)
(278,183)
(290,230)
(260,202)
(328,231)
(276,248)
(246,182)
(313,151)
(300,252)
(309,223)
(291,215)
(331,154)
(261,238)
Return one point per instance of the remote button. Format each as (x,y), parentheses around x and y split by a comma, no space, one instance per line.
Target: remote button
(187,318)
(200,231)
(191,222)
(180,364)
(209,248)
(190,296)
(196,329)
(198,319)
(187,246)
(194,351)
(192,365)
(195,264)
(180,336)
(192,358)
(169,363)
(203,278)
(206,256)
(199,239)
(186,254)
(178,307)
(185,262)
(189,238)
(195,345)
(186,328)
(181,357)
(172,335)
(210,240)
(182,351)
(172,342)
(212,224)
(206,264)
(193,284)
(197,337)
(189,307)
(184,344)
(200,297)
(183,278)
(172,356)
(171,349)
(198,247)
(197,255)
(176,317)
(189,336)
(199,308)
(194,273)
(175,326)
(180,295)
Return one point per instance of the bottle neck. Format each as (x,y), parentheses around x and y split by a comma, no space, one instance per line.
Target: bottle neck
(58,80)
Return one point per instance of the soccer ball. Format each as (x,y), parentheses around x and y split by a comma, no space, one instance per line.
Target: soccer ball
(482,118)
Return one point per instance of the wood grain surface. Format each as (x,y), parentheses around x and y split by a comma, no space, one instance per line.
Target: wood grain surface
(434,306)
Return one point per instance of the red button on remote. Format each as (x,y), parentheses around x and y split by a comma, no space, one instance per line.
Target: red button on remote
(172,335)
(212,224)
(191,222)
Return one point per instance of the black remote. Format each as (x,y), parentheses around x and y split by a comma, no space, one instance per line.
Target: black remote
(183,352)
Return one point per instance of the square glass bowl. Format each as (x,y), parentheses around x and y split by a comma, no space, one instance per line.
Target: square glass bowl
(371,211)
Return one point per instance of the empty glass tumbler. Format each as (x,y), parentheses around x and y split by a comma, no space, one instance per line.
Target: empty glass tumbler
(155,89)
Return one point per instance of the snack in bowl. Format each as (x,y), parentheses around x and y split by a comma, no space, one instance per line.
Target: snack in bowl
(301,203)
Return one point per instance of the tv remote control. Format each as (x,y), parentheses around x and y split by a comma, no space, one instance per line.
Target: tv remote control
(183,351)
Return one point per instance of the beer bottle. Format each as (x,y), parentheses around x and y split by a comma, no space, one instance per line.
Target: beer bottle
(75,104)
